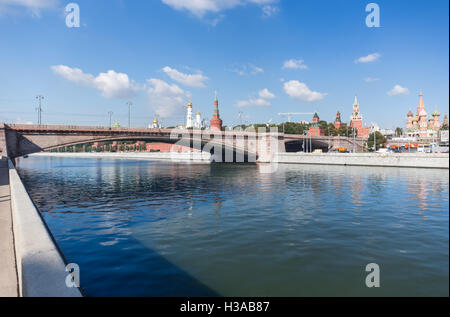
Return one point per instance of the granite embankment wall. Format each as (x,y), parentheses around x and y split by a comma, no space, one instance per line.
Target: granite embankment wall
(198,157)
(421,160)
(40,266)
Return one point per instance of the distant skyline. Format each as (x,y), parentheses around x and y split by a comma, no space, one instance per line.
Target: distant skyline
(262,56)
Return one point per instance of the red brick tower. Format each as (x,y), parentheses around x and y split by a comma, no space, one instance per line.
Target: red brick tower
(356,121)
(316,129)
(338,122)
(216,122)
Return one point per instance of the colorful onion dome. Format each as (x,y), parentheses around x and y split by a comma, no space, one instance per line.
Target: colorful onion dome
(436,113)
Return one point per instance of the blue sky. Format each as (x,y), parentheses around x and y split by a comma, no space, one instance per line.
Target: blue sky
(262,56)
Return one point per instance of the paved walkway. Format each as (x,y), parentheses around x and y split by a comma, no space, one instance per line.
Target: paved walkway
(8,273)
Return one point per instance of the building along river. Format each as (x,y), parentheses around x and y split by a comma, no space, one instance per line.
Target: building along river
(143,228)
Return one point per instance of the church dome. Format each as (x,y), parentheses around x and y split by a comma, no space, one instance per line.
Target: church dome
(436,113)
(410,114)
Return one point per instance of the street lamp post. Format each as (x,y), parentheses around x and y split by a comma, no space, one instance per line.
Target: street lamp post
(39,108)
(129,104)
(110,118)
(374,141)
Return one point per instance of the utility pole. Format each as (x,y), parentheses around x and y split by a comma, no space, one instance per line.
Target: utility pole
(129,104)
(110,118)
(39,108)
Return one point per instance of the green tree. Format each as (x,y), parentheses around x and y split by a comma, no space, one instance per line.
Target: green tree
(380,139)
(398,132)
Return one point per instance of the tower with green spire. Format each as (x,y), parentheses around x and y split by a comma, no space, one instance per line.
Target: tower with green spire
(216,122)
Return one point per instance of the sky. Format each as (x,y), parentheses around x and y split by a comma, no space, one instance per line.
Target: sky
(263,57)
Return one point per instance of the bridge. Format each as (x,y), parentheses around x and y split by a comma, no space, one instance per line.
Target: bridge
(17,140)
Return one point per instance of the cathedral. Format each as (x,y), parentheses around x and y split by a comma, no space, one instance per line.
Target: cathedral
(420,125)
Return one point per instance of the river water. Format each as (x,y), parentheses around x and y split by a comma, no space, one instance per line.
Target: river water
(141,228)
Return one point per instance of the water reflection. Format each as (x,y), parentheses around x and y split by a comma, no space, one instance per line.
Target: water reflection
(165,229)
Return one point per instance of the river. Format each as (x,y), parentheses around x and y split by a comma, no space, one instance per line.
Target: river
(142,228)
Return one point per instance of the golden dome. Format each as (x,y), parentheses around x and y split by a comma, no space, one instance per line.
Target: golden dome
(198,113)
(155,121)
(190,104)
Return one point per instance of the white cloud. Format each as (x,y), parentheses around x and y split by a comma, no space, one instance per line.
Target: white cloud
(165,99)
(369,58)
(247,69)
(191,80)
(201,7)
(266,94)
(115,85)
(294,64)
(298,90)
(371,79)
(259,102)
(112,85)
(269,10)
(34,6)
(398,90)
(73,74)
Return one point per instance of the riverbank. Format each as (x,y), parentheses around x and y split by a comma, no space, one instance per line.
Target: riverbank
(417,160)
(8,272)
(40,269)
(196,157)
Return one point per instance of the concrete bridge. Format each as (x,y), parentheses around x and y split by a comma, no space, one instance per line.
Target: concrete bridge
(20,139)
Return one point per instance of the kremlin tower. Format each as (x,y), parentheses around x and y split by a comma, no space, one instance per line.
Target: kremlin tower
(315,128)
(216,122)
(337,121)
(356,121)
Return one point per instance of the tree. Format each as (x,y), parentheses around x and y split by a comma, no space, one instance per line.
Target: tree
(380,139)
(398,132)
